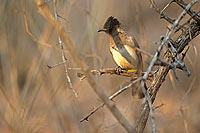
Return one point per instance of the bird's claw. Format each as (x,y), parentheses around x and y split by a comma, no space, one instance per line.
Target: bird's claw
(119,70)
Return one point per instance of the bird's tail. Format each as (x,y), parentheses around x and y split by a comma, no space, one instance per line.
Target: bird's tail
(136,89)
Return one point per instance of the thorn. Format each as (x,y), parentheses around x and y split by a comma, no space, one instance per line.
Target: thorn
(53,66)
(168,28)
(156,107)
(184,54)
(156,43)
(63,18)
(49,66)
(185,69)
(161,38)
(65,57)
(81,79)
(174,73)
(79,75)
(85,119)
(112,100)
(101,73)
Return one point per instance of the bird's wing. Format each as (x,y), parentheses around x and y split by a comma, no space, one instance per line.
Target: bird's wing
(131,42)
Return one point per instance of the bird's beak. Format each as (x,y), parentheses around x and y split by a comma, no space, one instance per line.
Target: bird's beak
(100,30)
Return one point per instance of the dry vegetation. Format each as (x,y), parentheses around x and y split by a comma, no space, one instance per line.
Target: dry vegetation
(35,98)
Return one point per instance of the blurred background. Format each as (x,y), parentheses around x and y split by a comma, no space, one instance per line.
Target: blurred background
(35,98)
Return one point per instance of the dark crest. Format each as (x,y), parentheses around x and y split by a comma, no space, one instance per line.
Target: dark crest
(111,23)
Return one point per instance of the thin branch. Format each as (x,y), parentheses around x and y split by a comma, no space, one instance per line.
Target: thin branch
(159,106)
(63,54)
(111,98)
(160,62)
(33,38)
(112,71)
(168,4)
(191,12)
(186,23)
(53,66)
(160,12)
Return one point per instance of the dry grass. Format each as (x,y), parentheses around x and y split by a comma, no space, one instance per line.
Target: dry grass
(37,99)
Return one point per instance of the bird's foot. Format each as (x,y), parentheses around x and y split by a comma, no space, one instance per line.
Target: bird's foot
(119,70)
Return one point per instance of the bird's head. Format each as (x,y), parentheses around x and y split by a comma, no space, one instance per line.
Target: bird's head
(110,26)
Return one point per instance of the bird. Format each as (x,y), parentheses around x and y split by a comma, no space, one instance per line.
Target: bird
(123,49)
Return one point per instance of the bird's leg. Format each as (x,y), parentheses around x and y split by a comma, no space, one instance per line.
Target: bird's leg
(119,70)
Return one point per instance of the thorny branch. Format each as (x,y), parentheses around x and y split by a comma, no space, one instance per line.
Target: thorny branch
(63,54)
(191,12)
(171,55)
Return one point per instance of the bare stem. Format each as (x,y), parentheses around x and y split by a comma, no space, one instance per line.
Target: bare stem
(63,54)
